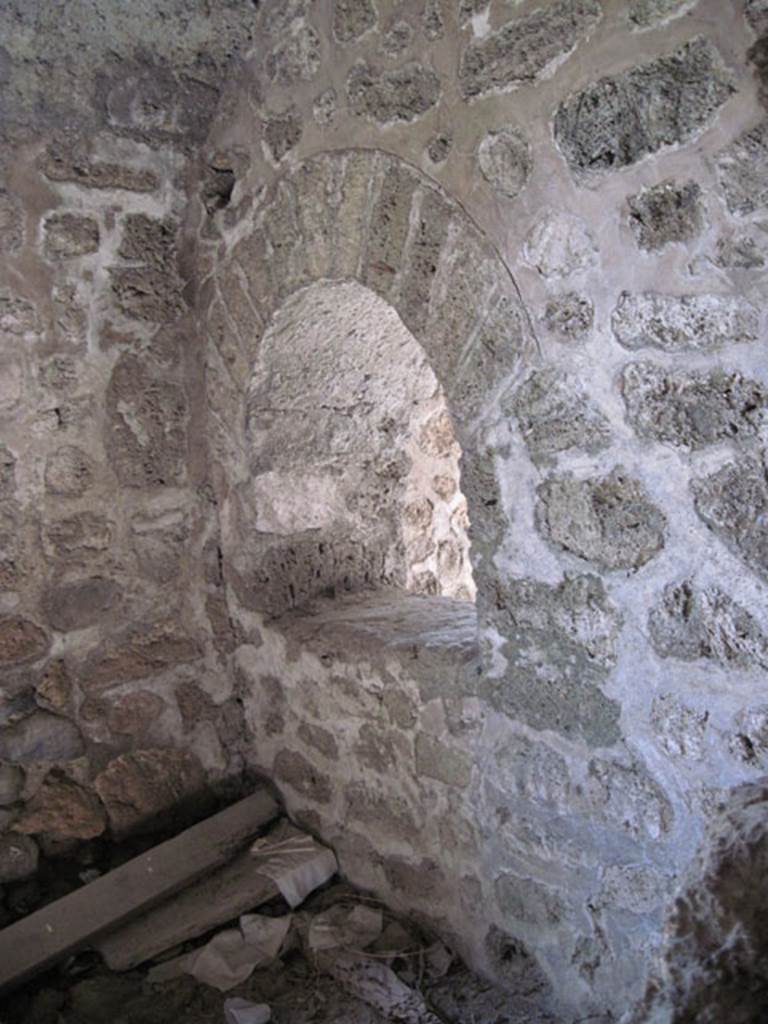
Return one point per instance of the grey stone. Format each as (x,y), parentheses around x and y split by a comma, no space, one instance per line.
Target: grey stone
(41,737)
(282,132)
(7,473)
(146,649)
(432,20)
(17,316)
(527,900)
(525,48)
(680,729)
(81,603)
(147,433)
(293,769)
(650,13)
(59,373)
(666,213)
(618,120)
(436,760)
(733,502)
(439,146)
(280,17)
(633,887)
(352,19)
(148,293)
(420,882)
(70,164)
(757,55)
(505,160)
(692,410)
(683,323)
(569,317)
(11,783)
(389,97)
(153,103)
(72,536)
(555,415)
(320,739)
(397,39)
(324,108)
(295,58)
(742,170)
(381,814)
(559,245)
(749,740)
(740,252)
(468,9)
(18,858)
(690,621)
(629,799)
(757,14)
(11,223)
(511,960)
(379,749)
(70,234)
(531,772)
(21,640)
(149,240)
(559,644)
(610,521)
(63,809)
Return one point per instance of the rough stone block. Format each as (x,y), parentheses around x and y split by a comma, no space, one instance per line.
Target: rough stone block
(427,239)
(629,799)
(683,323)
(525,48)
(439,147)
(66,164)
(389,97)
(388,229)
(692,410)
(651,13)
(511,960)
(18,316)
(54,691)
(432,20)
(352,19)
(295,58)
(11,223)
(555,415)
(148,240)
(379,748)
(81,603)
(7,473)
(146,650)
(757,14)
(733,502)
(527,900)
(381,814)
(436,760)
(559,245)
(749,741)
(740,252)
(157,104)
(41,737)
(72,536)
(531,772)
(11,783)
(666,213)
(610,521)
(505,161)
(569,317)
(690,622)
(70,234)
(282,132)
(320,739)
(618,120)
(742,170)
(21,641)
(147,293)
(397,39)
(681,730)
(62,809)
(325,108)
(293,769)
(633,887)
(18,858)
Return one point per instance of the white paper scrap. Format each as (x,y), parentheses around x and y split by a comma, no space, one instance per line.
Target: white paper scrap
(295,863)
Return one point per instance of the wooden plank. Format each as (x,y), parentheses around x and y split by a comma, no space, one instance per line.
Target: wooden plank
(75,921)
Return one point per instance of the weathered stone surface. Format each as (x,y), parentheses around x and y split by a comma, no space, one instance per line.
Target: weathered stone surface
(629,799)
(650,13)
(527,900)
(294,770)
(397,39)
(610,520)
(505,160)
(21,640)
(146,650)
(324,108)
(378,748)
(757,55)
(757,14)
(382,815)
(683,323)
(147,293)
(134,713)
(18,858)
(742,169)
(690,622)
(432,20)
(150,788)
(62,809)
(352,19)
(389,97)
(555,415)
(569,317)
(154,103)
(320,739)
(436,760)
(559,245)
(59,373)
(148,240)
(749,740)
(633,887)
(740,252)
(420,881)
(67,164)
(712,965)
(70,234)
(81,603)
(559,645)
(680,729)
(147,437)
(733,502)
(525,48)
(439,147)
(666,213)
(511,960)
(41,737)
(54,690)
(11,223)
(295,58)
(618,120)
(11,783)
(692,410)
(70,537)
(281,132)
(7,473)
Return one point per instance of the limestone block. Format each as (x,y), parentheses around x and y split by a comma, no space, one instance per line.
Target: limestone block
(352,19)
(145,650)
(629,799)
(75,535)
(21,641)
(527,900)
(692,410)
(67,164)
(381,815)
(555,415)
(17,316)
(505,160)
(532,772)
(432,20)
(681,730)
(81,603)
(666,213)
(148,240)
(63,809)
(12,382)
(54,690)
(749,740)
(18,858)
(733,502)
(133,714)
(569,317)
(683,323)
(397,39)
(511,960)
(608,520)
(157,103)
(389,97)
(7,473)
(11,783)
(147,293)
(418,882)
(427,239)
(439,147)
(651,13)
(11,223)
(379,749)
(620,119)
(321,740)
(147,788)
(295,58)
(293,769)
(282,132)
(68,235)
(526,48)
(560,244)
(324,108)
(633,887)
(740,252)
(41,737)
(59,373)
(435,760)
(742,169)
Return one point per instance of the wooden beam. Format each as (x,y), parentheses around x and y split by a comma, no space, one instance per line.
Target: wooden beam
(35,942)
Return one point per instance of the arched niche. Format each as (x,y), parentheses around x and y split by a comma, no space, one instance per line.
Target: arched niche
(373,222)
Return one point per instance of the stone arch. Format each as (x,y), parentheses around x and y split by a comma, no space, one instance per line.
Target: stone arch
(366,216)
